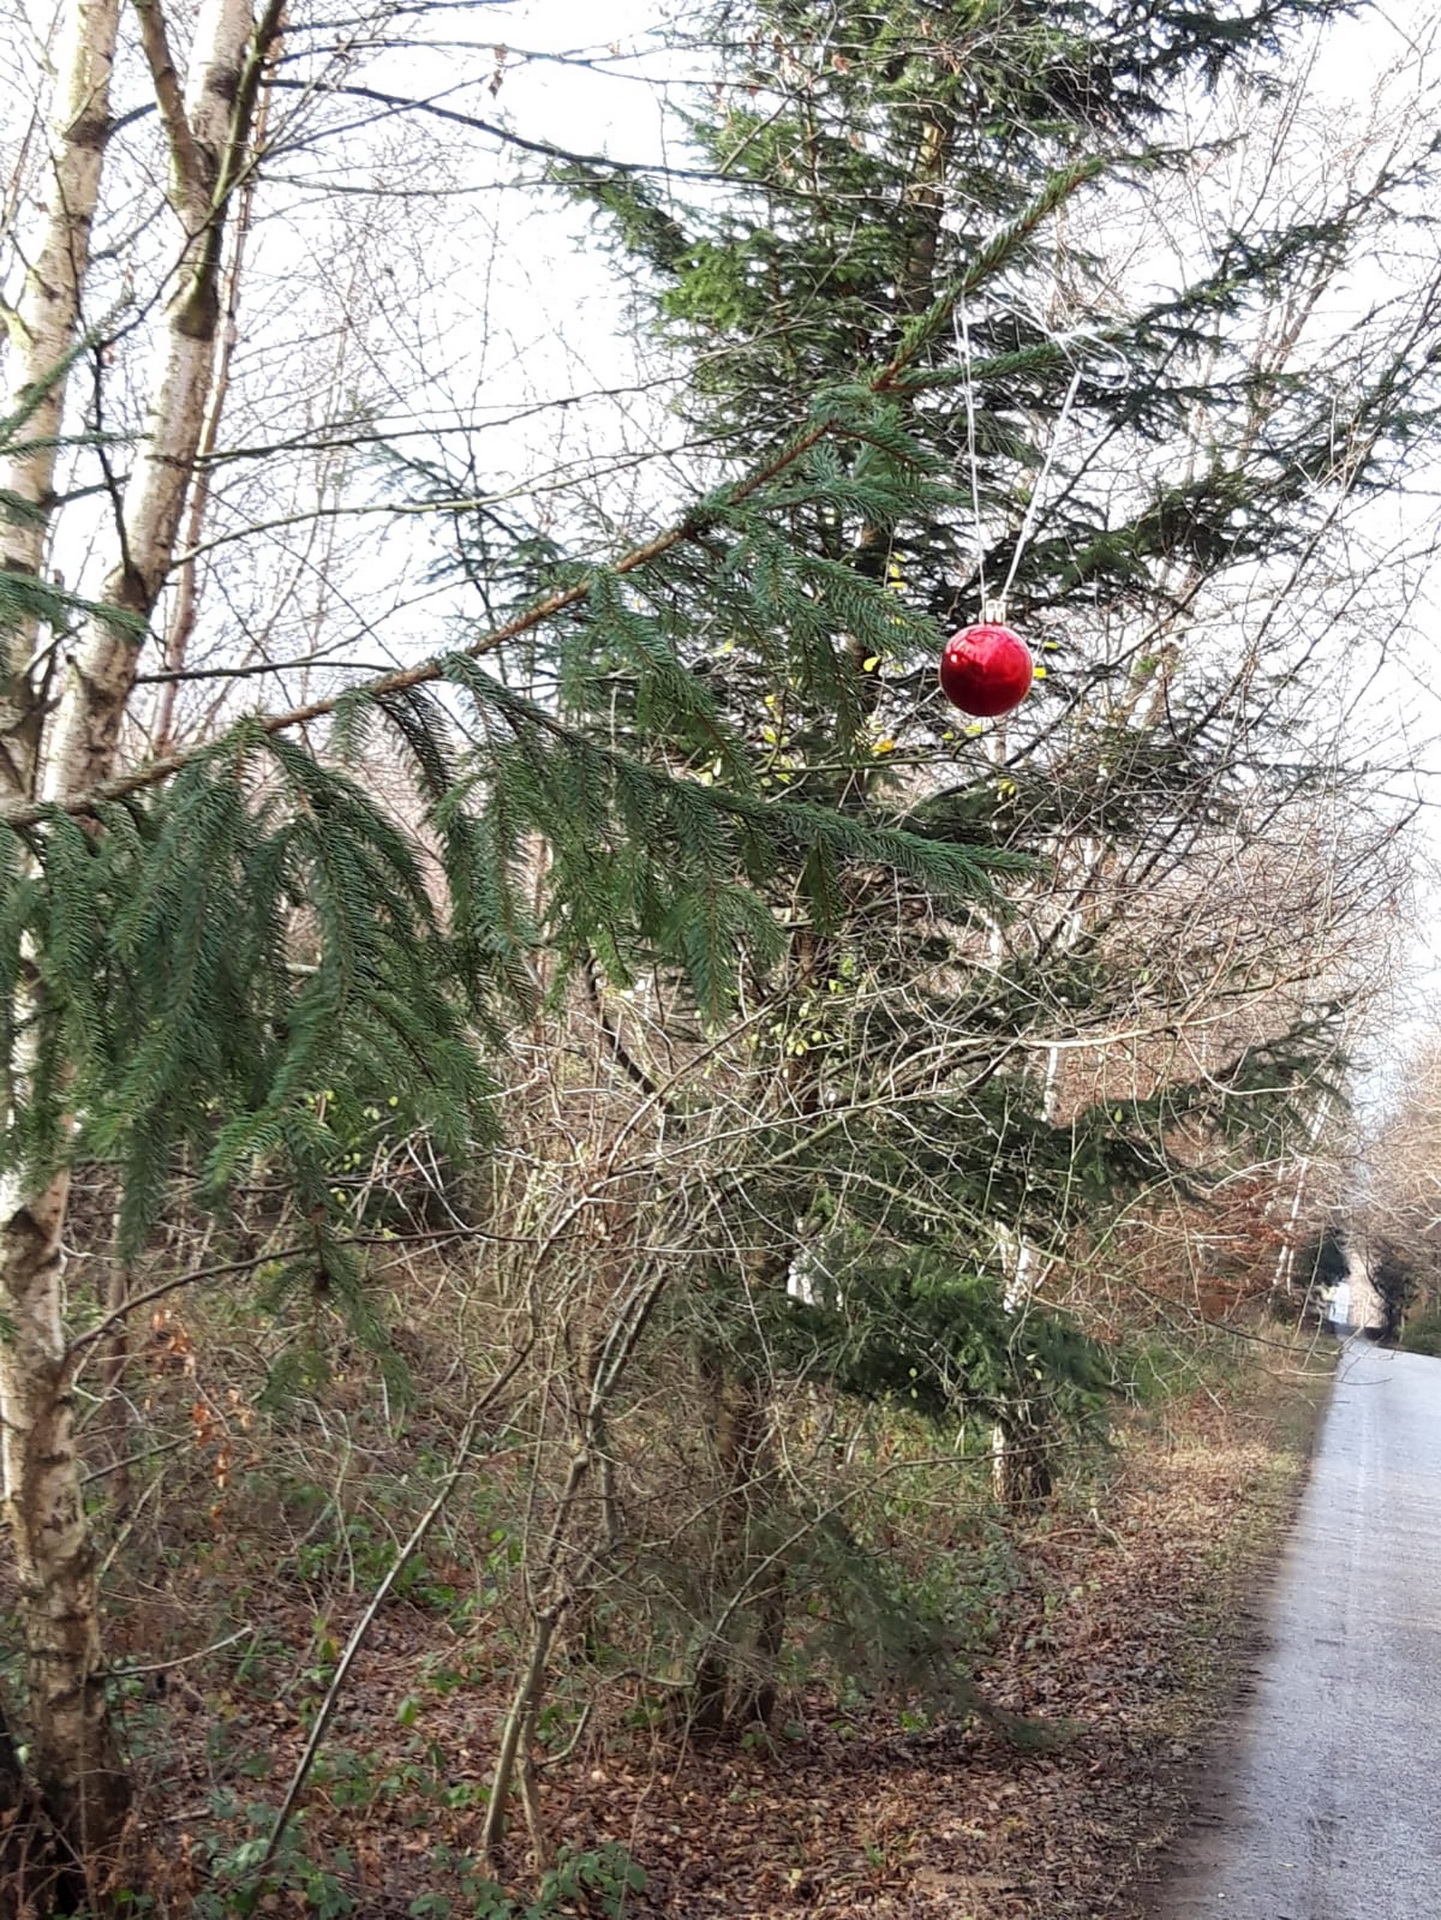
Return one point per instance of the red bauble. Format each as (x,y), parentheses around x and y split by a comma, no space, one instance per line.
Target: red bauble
(986,670)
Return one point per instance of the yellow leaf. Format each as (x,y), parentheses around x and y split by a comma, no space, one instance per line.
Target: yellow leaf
(885,746)
(869,666)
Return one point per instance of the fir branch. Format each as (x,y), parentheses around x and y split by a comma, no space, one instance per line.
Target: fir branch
(836,412)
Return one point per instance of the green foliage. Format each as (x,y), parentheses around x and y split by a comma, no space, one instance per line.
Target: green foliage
(1423,1334)
(1394,1273)
(932,1333)
(605,1875)
(937,155)
(237,1888)
(889,1630)
(231,969)
(194,974)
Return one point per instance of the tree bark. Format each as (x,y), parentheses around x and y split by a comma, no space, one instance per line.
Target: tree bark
(75,1756)
(74,1759)
(44,330)
(210,155)
(1023,1458)
(732,1686)
(735,1686)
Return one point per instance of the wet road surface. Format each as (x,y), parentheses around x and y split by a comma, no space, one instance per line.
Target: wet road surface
(1329,1804)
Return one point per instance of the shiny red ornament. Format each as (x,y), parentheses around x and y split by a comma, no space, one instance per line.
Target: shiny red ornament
(986,670)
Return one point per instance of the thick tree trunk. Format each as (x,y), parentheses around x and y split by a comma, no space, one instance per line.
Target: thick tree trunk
(733,1426)
(1023,1449)
(757,1679)
(74,1755)
(737,1674)
(1023,1458)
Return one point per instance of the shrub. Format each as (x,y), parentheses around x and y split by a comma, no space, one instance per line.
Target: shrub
(1423,1334)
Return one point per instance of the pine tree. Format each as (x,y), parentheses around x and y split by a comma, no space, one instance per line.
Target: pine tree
(910,182)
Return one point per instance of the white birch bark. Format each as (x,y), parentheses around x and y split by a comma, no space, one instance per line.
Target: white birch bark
(74,1757)
(74,1753)
(209,134)
(44,328)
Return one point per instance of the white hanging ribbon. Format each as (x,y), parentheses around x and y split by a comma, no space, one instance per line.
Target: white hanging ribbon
(1115,375)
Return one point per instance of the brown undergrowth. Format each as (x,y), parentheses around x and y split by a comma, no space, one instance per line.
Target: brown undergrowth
(1123,1617)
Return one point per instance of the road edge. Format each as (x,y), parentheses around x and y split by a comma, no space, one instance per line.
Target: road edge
(1199,1786)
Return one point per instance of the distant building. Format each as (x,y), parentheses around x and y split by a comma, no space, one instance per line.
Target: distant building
(1353,1303)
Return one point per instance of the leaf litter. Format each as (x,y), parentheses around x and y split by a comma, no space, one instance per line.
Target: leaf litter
(1126,1635)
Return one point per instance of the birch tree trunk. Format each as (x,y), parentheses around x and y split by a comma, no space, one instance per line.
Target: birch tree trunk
(74,1753)
(44,329)
(209,131)
(74,1757)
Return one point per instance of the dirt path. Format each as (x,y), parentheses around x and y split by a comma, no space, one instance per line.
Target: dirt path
(1324,1808)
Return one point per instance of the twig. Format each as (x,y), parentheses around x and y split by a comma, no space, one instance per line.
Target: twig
(429,1236)
(184,1660)
(362,1627)
(353,1646)
(136,1459)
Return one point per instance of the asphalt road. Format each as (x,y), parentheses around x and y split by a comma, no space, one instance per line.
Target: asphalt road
(1326,1806)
